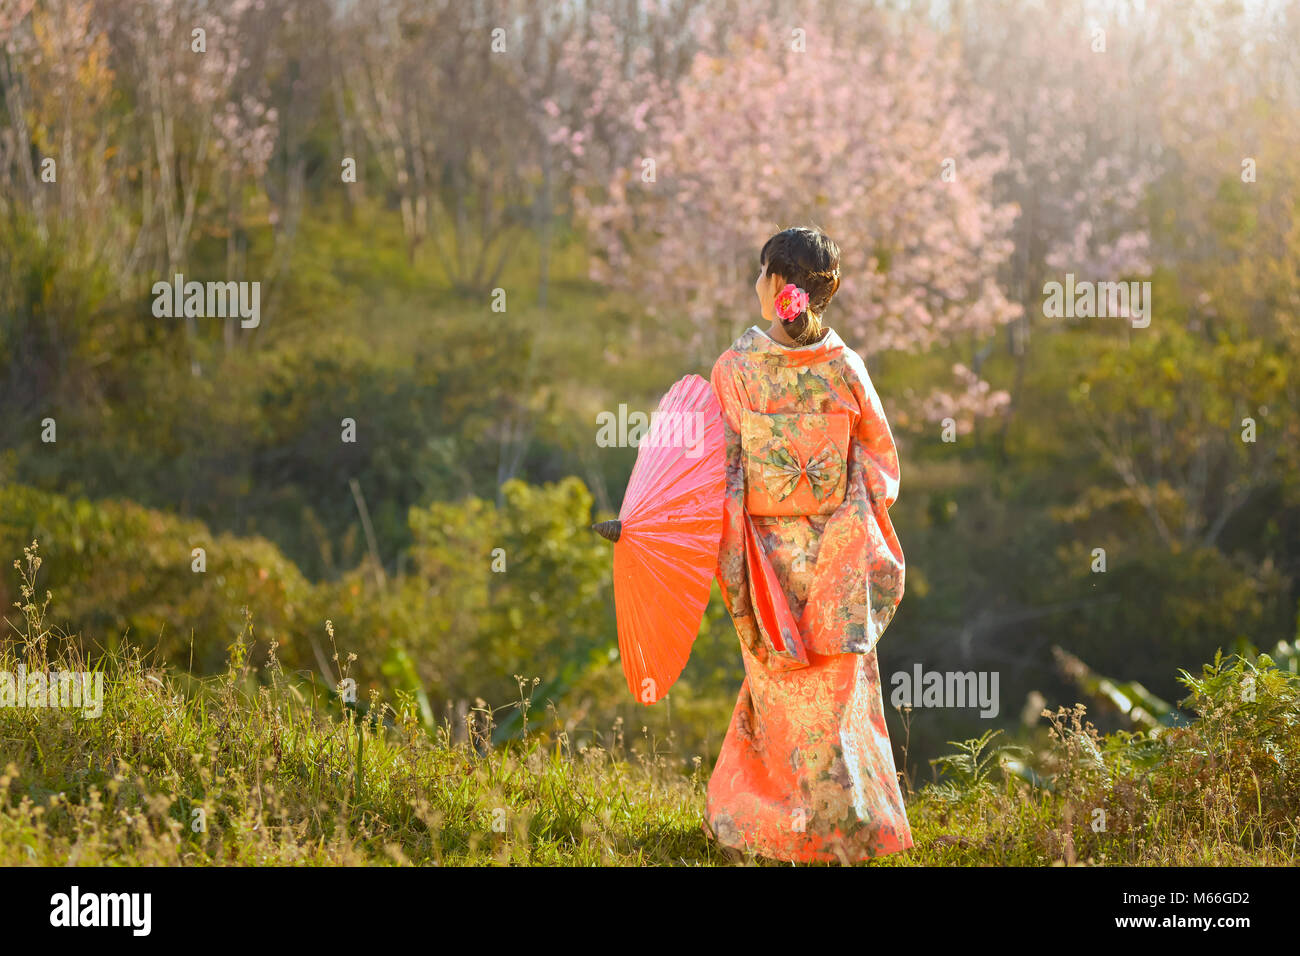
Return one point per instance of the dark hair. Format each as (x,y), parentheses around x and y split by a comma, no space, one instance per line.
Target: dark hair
(811,260)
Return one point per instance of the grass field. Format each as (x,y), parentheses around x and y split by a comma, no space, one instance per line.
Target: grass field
(261,766)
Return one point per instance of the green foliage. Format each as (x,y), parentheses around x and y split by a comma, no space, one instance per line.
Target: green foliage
(1245,749)
(492,571)
(1141,708)
(54,327)
(448,632)
(123,572)
(1202,599)
(970,769)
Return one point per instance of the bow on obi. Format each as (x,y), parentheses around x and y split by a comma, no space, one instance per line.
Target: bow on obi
(782,471)
(782,449)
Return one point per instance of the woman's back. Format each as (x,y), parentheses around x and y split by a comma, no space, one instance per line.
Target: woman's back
(811,572)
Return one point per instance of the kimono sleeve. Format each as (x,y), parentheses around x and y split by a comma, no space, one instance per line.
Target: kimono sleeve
(859,574)
(732,571)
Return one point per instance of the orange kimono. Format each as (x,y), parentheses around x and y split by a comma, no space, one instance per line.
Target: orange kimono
(811,572)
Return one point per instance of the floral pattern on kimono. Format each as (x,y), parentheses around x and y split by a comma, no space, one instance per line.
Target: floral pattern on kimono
(806,770)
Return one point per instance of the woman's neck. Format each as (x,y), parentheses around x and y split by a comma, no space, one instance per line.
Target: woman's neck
(777,331)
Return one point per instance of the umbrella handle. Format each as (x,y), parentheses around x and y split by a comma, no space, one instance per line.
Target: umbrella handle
(609,530)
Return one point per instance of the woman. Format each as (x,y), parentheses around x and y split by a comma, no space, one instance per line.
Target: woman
(811,572)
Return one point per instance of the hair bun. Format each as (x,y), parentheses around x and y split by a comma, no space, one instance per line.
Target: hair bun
(810,259)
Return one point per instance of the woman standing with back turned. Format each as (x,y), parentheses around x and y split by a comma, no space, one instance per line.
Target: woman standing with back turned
(811,572)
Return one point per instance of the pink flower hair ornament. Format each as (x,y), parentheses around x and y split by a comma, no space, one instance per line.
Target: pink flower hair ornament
(790,302)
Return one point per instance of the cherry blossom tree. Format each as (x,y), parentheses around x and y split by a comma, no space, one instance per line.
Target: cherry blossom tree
(1073,88)
(876,144)
(593,84)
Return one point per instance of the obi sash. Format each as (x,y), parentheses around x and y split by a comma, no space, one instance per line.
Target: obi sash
(795,463)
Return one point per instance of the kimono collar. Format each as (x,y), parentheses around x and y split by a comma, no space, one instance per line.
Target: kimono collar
(759,343)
